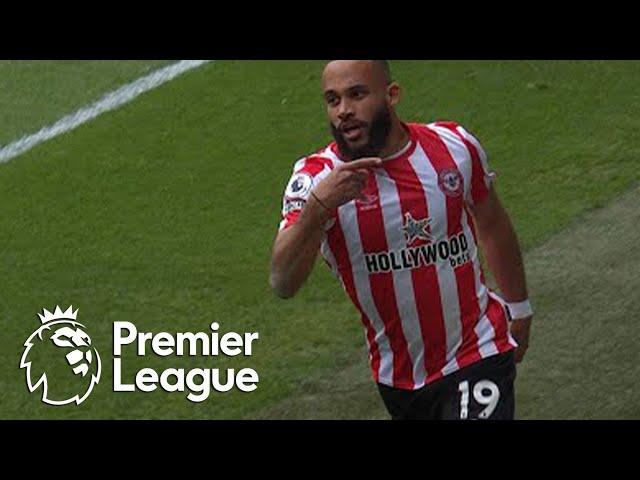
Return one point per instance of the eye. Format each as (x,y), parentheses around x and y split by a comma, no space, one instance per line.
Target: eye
(86,338)
(62,338)
(359,94)
(80,338)
(332,101)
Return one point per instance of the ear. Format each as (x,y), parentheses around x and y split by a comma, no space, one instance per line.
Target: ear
(394,93)
(46,334)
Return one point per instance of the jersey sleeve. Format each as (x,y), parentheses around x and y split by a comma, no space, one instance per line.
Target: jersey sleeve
(482,176)
(307,173)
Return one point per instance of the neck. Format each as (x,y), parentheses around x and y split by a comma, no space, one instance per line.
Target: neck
(398,139)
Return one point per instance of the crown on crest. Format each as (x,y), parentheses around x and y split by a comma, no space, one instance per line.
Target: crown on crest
(58,314)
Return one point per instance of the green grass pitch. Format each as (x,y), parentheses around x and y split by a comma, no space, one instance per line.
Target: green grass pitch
(163,213)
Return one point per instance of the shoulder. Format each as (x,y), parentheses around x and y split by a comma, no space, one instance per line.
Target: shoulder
(448,130)
(454,135)
(315,163)
(456,132)
(310,170)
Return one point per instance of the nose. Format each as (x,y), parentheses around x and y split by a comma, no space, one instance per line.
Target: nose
(345,110)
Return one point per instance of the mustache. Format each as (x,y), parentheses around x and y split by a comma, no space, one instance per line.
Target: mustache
(343,126)
(377,131)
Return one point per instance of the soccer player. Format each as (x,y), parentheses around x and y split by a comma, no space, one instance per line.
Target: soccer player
(399,211)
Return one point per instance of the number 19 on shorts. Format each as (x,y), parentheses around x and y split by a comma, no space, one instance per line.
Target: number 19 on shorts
(485,393)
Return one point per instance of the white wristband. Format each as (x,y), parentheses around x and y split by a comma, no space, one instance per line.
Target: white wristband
(520,310)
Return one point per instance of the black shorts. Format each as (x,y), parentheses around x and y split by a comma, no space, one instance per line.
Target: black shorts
(484,390)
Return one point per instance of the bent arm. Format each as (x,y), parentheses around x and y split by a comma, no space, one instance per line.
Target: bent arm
(296,248)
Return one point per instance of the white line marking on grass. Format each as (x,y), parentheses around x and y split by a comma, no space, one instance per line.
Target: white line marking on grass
(110,101)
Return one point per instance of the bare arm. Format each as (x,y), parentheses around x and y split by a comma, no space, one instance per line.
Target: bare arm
(296,248)
(501,249)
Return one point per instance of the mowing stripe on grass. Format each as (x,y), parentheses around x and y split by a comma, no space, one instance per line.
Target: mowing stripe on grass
(110,101)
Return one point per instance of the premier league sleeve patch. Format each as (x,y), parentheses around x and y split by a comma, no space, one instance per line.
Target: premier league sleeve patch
(297,193)
(292,205)
(299,187)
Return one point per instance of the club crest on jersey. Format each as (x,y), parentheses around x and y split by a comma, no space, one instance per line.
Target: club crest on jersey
(416,229)
(299,186)
(451,182)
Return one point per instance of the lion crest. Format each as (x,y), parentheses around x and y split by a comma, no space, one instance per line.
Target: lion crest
(60,358)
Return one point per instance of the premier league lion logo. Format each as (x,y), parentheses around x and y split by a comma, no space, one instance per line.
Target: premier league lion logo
(59,357)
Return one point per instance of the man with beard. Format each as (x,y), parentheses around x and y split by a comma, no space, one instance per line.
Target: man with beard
(398,211)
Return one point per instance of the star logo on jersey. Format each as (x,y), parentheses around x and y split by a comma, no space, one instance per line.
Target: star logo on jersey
(416,229)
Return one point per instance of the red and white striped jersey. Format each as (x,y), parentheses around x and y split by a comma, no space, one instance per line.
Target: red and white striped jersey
(407,256)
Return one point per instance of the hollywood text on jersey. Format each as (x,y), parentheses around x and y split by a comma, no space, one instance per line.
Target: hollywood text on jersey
(454,250)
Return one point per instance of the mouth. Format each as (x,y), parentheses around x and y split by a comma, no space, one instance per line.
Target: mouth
(352,132)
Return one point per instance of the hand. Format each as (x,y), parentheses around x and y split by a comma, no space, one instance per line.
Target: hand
(345,182)
(520,330)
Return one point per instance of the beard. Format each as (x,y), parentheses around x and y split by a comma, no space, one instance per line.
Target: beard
(378,131)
